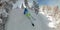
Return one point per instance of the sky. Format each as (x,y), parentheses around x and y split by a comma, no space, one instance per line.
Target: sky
(49,2)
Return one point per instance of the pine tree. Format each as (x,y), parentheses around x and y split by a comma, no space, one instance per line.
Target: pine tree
(22,6)
(26,3)
(36,7)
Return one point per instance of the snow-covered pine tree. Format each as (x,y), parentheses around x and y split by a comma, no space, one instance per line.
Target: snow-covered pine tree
(36,7)
(26,3)
(22,6)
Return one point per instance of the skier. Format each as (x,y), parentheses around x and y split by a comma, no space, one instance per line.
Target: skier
(26,12)
(28,15)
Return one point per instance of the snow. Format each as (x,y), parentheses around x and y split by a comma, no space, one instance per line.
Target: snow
(51,24)
(18,21)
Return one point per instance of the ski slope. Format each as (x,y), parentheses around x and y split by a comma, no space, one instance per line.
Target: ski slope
(18,21)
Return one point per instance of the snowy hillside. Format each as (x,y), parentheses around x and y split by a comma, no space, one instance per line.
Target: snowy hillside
(18,21)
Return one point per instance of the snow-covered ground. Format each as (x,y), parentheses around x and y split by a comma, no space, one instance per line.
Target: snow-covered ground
(18,21)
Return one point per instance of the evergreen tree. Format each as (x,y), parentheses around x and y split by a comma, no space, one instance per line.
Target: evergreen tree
(26,3)
(36,7)
(22,6)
